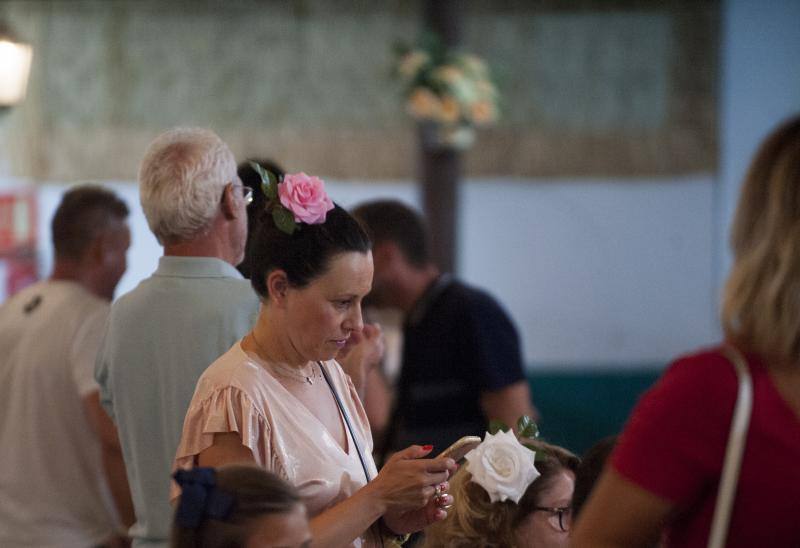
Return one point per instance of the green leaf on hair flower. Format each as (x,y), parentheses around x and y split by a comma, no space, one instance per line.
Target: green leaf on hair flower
(269,182)
(260,170)
(527,428)
(273,179)
(270,188)
(496,426)
(284,220)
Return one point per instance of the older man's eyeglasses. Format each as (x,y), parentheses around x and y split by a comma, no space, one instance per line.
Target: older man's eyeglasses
(559,517)
(247,192)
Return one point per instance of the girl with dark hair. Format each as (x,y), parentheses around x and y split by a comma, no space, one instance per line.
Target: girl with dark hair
(279,398)
(238,506)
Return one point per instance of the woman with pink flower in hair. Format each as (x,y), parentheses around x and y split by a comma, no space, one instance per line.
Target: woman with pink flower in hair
(278,397)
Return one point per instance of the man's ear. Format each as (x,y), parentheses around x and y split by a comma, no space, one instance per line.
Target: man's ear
(228,203)
(385,254)
(278,287)
(96,250)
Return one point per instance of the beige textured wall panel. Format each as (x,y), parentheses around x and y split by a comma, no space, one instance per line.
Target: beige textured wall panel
(590,88)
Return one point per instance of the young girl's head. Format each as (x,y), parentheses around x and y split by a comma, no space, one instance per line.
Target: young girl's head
(538,519)
(237,506)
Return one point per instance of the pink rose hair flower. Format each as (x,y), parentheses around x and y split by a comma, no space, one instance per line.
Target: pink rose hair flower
(305,197)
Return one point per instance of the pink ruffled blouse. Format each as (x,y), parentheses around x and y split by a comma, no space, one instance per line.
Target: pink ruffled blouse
(237,394)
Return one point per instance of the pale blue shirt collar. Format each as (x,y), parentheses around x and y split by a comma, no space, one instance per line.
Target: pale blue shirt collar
(195,267)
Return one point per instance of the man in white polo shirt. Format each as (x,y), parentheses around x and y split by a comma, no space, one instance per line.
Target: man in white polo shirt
(56,439)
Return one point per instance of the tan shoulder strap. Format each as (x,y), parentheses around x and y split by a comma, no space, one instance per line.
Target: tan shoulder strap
(734,451)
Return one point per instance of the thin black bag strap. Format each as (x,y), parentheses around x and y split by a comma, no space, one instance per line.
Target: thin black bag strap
(347,422)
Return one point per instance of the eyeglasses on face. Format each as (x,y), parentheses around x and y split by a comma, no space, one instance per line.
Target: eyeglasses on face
(247,192)
(561,514)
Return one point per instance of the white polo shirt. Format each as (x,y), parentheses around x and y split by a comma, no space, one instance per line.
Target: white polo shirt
(53,490)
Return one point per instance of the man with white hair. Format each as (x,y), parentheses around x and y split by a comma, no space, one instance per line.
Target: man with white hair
(164,333)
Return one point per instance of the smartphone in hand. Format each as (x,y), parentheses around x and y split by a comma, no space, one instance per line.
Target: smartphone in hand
(460,448)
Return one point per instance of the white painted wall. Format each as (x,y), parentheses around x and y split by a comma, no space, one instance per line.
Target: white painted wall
(592,271)
(760,86)
(596,271)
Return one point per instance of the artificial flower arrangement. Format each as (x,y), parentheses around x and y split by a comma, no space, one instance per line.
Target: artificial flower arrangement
(294,199)
(449,89)
(503,465)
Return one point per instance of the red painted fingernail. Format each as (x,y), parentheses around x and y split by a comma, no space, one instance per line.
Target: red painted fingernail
(427,447)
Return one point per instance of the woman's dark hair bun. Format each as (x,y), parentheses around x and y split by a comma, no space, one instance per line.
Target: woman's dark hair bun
(305,254)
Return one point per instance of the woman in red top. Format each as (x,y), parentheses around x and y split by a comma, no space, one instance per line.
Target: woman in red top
(664,473)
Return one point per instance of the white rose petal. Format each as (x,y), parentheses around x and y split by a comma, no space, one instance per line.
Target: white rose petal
(502,466)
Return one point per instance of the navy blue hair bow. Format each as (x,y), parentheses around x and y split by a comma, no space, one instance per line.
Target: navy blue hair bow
(200,497)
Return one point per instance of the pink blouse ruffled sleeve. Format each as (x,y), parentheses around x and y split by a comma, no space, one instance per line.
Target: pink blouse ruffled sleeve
(225,409)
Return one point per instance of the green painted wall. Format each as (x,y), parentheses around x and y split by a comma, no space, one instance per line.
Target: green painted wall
(579,408)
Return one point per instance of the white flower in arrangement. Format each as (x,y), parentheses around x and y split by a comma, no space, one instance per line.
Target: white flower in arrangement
(460,137)
(411,63)
(502,466)
(465,91)
(476,66)
(448,74)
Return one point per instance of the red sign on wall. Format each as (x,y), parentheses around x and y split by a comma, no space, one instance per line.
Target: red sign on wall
(17,222)
(17,241)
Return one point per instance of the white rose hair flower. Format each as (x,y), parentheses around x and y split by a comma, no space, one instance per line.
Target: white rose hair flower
(502,466)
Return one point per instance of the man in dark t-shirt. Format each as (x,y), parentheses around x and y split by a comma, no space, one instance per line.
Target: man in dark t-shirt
(461,363)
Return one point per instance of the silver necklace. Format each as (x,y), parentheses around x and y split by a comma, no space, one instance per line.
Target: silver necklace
(285,370)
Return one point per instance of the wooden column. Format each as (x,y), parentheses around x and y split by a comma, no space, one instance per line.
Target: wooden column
(440,168)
